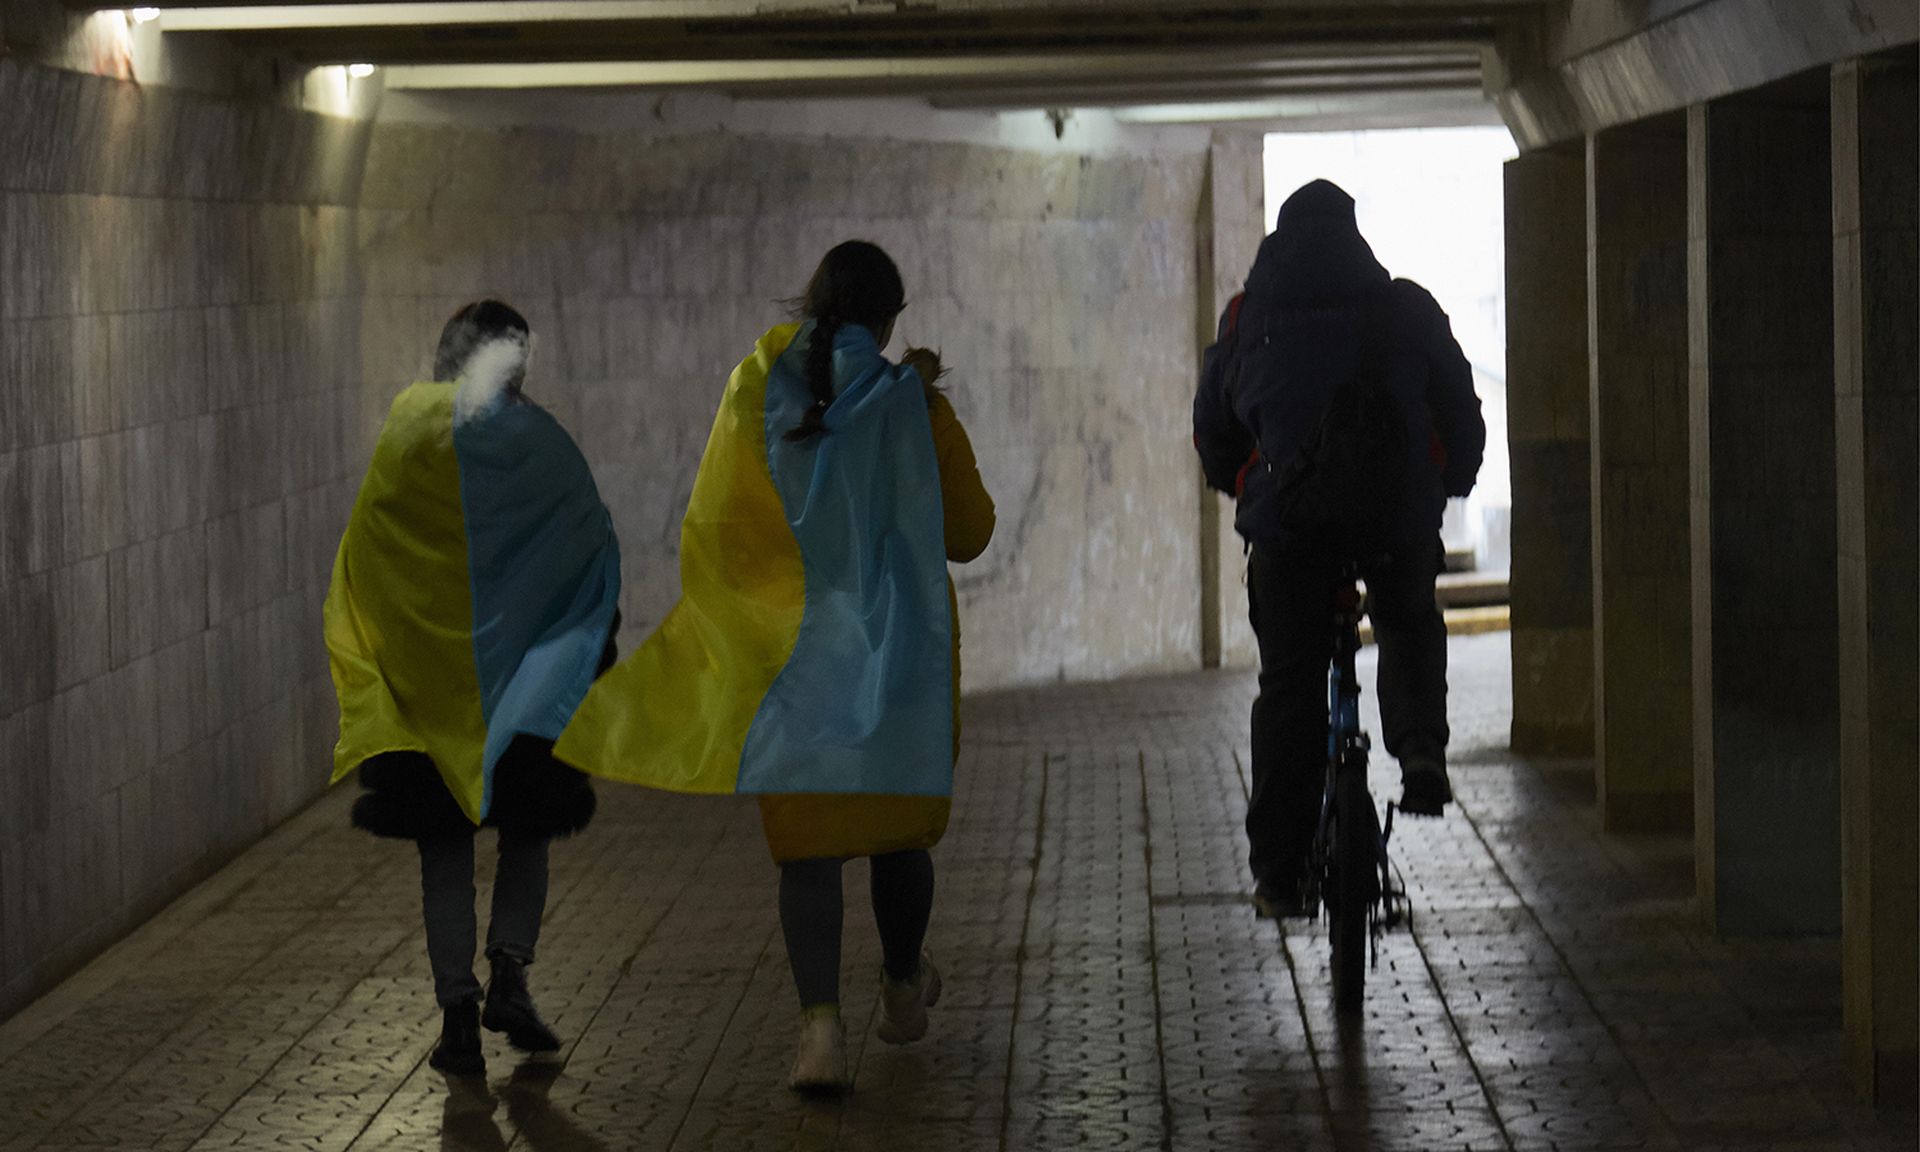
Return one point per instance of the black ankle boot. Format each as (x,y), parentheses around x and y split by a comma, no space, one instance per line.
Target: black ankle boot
(1425,789)
(458,1052)
(510,1009)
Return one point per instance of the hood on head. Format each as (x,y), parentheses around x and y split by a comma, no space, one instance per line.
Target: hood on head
(1321,201)
(1316,254)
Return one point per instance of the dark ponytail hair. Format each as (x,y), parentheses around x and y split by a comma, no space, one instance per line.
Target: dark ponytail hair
(856,283)
(475,324)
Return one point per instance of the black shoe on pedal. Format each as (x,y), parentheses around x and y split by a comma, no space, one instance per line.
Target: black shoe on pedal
(510,1009)
(1280,902)
(458,1053)
(1424,788)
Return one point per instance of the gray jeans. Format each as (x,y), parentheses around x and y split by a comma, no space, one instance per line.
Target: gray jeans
(447,897)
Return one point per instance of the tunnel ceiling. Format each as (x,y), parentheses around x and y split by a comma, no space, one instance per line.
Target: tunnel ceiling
(1420,58)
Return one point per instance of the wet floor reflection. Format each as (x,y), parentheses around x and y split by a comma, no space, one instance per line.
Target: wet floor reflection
(470,1119)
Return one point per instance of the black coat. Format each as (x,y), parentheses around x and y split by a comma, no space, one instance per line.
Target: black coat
(1293,337)
(534,795)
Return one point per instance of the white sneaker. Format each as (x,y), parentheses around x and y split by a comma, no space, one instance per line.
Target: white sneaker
(904,1004)
(821,1065)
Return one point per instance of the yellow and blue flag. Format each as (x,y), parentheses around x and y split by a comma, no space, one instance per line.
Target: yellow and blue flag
(812,647)
(474,590)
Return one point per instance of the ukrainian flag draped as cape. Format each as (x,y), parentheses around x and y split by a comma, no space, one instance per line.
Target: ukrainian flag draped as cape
(473,592)
(811,650)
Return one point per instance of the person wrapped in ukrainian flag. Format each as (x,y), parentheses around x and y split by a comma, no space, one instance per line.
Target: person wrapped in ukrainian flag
(473,603)
(813,659)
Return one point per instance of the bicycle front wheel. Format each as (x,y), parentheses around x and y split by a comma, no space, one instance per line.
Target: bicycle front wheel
(1354,864)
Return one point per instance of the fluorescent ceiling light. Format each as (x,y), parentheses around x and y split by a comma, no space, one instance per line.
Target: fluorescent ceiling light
(359,71)
(145,15)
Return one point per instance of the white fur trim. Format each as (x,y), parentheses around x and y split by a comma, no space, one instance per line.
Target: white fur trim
(484,379)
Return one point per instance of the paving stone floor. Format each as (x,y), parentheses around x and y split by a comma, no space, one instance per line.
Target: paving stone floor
(1107,986)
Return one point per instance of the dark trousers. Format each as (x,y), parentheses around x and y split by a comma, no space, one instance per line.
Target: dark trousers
(446,886)
(1290,594)
(811,909)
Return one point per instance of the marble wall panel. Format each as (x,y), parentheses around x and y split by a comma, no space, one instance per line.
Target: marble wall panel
(1048,283)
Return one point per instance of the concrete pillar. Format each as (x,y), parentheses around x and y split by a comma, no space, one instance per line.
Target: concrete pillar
(1230,226)
(1765,622)
(1876,153)
(1547,429)
(1642,605)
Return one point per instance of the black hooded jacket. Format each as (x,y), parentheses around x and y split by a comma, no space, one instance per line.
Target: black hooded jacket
(1293,337)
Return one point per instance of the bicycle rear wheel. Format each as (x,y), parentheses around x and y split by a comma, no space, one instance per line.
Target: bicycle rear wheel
(1353,866)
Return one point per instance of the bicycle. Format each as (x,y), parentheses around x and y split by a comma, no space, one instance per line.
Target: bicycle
(1348,871)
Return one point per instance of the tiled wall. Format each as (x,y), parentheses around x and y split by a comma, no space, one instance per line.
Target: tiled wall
(206,306)
(179,397)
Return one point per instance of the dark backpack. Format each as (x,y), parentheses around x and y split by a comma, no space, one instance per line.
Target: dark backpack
(1342,492)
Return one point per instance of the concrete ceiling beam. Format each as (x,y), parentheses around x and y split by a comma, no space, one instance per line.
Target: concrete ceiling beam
(1611,62)
(242,15)
(1329,112)
(857,32)
(1134,95)
(1117,91)
(953,75)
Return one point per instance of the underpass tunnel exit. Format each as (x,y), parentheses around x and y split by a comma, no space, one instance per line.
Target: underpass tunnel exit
(1677,247)
(1429,203)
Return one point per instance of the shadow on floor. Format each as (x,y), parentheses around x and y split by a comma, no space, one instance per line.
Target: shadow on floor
(468,1117)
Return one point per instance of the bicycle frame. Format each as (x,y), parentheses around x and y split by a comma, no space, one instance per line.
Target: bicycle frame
(1348,747)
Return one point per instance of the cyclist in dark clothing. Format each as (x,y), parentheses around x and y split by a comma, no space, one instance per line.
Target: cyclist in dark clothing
(1318,311)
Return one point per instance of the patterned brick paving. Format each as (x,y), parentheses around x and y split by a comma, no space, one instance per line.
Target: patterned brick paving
(1107,986)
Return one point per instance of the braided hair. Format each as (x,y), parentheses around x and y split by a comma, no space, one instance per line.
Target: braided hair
(856,283)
